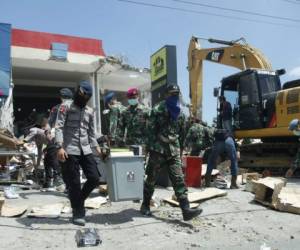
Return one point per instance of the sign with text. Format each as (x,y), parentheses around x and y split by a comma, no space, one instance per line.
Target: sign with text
(163,67)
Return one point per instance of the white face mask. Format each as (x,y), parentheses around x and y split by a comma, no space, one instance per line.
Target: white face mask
(133,102)
(296,132)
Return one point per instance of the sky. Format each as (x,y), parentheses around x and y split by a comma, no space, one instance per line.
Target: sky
(136,31)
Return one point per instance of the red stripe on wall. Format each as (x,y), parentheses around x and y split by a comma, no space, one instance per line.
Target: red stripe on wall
(42,40)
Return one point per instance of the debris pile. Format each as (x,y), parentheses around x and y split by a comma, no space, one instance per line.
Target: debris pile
(273,192)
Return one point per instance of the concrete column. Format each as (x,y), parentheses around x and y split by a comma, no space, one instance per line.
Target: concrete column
(95,102)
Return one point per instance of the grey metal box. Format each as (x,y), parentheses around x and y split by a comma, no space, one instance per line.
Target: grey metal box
(125,177)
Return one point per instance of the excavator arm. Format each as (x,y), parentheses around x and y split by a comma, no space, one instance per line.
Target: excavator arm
(241,56)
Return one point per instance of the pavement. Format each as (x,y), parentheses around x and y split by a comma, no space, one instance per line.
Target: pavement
(231,222)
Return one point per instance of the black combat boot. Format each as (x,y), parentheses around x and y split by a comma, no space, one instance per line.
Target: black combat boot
(207,179)
(78,216)
(233,184)
(187,212)
(145,208)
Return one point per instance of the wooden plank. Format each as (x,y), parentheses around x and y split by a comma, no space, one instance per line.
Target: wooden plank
(176,203)
(197,197)
(207,193)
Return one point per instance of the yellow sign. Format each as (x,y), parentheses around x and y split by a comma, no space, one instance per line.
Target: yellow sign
(159,64)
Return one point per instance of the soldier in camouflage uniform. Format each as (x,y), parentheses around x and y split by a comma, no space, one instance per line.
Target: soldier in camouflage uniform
(165,144)
(115,110)
(198,137)
(132,126)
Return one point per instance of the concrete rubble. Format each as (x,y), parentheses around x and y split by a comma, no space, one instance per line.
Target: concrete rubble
(274,193)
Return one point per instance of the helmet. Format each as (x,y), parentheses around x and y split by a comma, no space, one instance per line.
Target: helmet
(294,124)
(86,87)
(66,93)
(109,96)
(173,88)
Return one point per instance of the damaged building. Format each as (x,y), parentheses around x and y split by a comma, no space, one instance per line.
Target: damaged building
(41,63)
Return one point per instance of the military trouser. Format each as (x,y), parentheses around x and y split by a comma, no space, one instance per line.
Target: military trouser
(158,161)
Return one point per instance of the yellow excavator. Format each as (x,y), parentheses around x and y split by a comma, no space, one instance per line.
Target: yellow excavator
(262,109)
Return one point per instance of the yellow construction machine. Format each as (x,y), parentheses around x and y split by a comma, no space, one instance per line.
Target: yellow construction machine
(262,109)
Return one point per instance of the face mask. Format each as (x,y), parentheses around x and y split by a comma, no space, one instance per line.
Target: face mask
(173,106)
(133,102)
(81,100)
(296,132)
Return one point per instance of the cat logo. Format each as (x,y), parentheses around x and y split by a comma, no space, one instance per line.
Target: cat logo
(215,55)
(158,65)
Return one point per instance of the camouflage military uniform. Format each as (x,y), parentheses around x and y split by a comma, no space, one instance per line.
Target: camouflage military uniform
(114,117)
(165,142)
(132,126)
(199,137)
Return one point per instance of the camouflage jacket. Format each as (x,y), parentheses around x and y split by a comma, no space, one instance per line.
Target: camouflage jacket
(132,125)
(165,135)
(114,117)
(199,136)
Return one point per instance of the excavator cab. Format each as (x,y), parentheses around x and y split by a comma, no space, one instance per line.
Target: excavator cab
(252,95)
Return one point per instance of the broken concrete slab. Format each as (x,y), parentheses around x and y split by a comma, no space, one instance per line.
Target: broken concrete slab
(267,190)
(13,211)
(47,211)
(197,197)
(289,200)
(95,203)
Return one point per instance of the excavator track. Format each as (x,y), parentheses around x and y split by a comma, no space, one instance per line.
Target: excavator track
(268,158)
